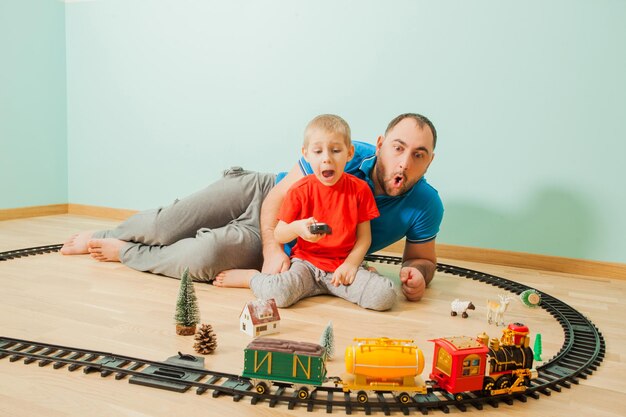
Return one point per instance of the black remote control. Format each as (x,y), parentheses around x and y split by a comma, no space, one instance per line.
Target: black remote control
(320,228)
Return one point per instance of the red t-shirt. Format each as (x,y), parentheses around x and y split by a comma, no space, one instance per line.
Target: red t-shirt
(341,206)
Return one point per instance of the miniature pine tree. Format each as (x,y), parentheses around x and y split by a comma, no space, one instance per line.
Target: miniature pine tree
(206,340)
(537,350)
(327,340)
(187,313)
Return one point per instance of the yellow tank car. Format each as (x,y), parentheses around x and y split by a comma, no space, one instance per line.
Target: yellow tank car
(383,364)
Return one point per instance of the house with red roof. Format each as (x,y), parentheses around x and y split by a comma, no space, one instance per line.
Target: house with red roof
(259,317)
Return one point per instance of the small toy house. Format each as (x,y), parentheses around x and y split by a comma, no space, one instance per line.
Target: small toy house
(259,318)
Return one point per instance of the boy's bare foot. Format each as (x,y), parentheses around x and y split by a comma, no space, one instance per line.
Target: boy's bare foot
(234,278)
(77,244)
(106,250)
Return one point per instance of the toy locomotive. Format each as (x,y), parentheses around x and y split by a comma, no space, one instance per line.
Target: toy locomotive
(460,364)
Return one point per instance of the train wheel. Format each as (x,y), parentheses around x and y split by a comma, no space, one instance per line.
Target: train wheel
(488,386)
(458,397)
(404,398)
(526,382)
(362,397)
(261,388)
(303,393)
(503,382)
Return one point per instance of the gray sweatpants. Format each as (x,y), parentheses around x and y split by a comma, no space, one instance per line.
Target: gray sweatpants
(209,231)
(303,279)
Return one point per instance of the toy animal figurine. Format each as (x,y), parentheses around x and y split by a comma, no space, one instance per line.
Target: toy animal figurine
(460,307)
(495,309)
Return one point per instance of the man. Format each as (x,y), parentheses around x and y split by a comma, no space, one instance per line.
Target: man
(408,205)
(217,228)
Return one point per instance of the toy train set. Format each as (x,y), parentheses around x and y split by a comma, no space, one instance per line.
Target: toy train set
(582,352)
(460,365)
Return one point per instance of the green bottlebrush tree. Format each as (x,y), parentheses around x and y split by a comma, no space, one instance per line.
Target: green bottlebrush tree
(327,340)
(187,312)
(537,350)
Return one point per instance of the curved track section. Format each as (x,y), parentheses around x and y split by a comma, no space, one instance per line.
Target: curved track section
(20,253)
(582,352)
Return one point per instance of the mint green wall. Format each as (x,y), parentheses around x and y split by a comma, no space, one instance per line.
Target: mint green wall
(528,99)
(33,148)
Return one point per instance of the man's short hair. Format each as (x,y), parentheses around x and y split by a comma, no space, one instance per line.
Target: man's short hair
(330,123)
(419,119)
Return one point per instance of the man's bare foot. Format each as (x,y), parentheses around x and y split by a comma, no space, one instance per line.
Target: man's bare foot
(77,244)
(106,250)
(234,278)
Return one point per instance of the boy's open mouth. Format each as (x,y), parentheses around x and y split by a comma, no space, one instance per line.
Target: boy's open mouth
(328,173)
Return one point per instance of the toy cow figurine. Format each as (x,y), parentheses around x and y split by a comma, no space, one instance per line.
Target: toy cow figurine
(495,309)
(460,307)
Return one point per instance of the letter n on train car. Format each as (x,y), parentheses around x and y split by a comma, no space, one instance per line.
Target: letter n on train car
(262,358)
(302,364)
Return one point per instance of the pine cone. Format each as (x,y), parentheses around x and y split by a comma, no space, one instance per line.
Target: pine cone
(206,340)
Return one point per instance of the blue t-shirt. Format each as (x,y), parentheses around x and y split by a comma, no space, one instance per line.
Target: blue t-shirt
(417,214)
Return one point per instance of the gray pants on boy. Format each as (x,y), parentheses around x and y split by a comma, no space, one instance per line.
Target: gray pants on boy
(369,289)
(210,231)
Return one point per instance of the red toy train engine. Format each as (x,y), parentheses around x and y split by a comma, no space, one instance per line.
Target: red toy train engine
(494,367)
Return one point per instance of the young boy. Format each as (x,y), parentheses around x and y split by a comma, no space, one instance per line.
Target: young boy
(323,263)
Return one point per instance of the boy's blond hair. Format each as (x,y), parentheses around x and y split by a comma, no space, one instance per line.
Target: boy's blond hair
(330,123)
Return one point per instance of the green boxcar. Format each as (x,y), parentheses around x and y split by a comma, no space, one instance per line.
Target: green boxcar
(300,363)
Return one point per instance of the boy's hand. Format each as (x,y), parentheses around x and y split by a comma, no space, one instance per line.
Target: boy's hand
(301,228)
(344,275)
(413,283)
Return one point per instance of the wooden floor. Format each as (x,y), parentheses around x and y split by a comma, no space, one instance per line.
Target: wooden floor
(78,302)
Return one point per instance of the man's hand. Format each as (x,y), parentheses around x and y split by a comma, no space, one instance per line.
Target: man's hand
(345,274)
(275,261)
(413,283)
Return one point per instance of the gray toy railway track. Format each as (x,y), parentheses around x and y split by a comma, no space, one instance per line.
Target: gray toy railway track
(582,352)
(20,253)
